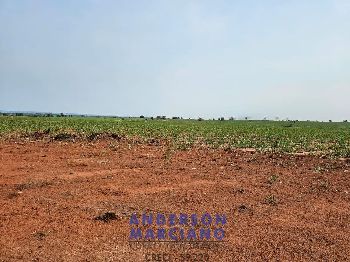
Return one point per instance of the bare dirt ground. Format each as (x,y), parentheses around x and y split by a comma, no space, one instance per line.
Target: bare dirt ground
(278,207)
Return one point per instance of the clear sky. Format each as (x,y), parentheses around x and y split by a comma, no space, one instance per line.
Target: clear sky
(285,58)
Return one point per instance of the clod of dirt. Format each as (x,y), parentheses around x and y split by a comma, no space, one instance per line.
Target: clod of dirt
(14,194)
(38,135)
(154,142)
(32,185)
(106,217)
(242,208)
(64,137)
(240,190)
(116,136)
(92,136)
(40,235)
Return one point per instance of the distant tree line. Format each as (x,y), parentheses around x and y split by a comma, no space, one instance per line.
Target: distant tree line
(159,117)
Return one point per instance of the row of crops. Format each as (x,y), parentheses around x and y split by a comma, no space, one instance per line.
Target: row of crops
(277,136)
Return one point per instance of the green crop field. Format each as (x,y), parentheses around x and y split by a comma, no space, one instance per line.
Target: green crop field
(332,139)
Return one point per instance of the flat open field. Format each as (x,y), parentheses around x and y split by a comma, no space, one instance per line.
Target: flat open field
(285,199)
(331,139)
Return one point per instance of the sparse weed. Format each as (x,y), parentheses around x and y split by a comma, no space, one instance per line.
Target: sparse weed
(271,200)
(272,179)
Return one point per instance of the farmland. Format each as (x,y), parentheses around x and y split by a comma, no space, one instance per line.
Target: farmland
(331,139)
(69,185)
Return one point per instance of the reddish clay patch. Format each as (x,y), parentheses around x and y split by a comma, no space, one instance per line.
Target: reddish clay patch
(64,201)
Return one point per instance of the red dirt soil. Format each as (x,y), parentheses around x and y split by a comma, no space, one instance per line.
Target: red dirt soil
(278,207)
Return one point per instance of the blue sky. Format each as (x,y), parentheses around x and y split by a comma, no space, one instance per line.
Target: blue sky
(272,58)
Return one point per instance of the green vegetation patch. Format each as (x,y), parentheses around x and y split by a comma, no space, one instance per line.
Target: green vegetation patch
(331,139)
